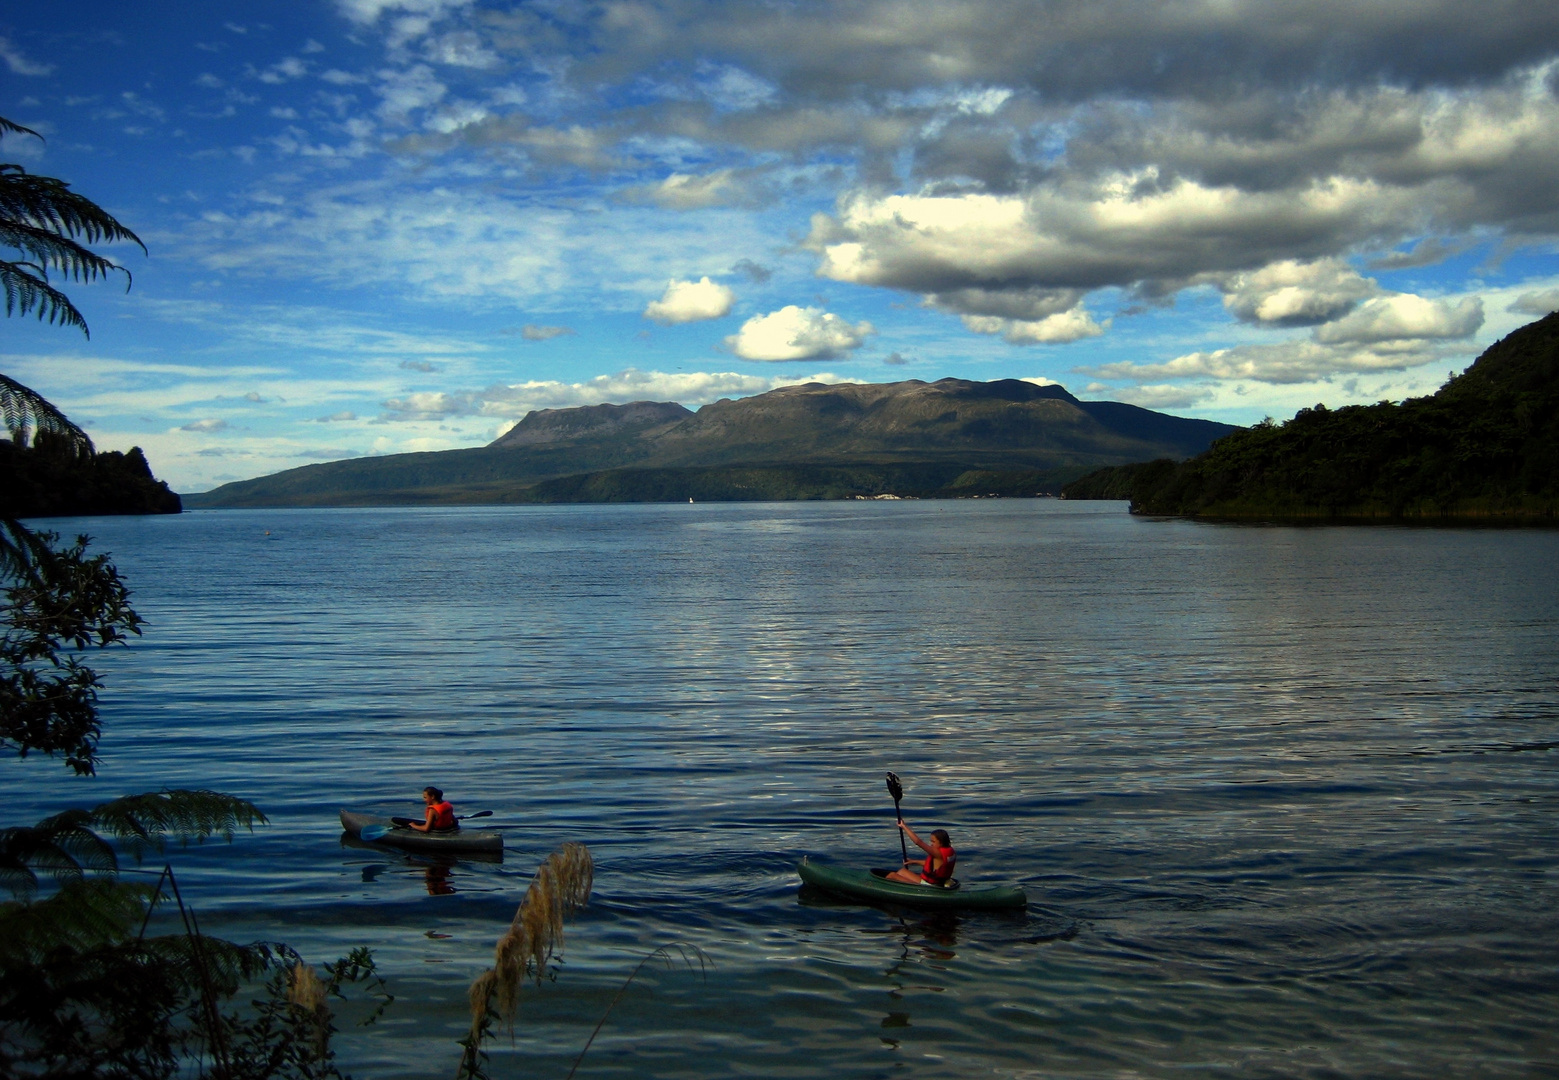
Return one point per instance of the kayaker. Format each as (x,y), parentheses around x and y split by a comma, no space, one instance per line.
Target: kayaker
(440,815)
(940,859)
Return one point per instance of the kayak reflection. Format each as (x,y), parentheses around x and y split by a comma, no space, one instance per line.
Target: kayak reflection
(438,872)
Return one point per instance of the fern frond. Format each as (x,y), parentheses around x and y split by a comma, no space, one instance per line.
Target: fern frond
(26,288)
(8,127)
(83,915)
(27,413)
(63,847)
(48,206)
(148,821)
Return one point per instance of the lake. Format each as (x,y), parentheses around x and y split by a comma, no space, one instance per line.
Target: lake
(1284,799)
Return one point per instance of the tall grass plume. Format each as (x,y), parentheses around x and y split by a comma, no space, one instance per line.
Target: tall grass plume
(561,886)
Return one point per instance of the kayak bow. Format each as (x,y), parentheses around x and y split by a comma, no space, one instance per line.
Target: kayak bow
(868,885)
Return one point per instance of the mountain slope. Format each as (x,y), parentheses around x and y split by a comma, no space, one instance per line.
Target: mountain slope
(1485,446)
(938,432)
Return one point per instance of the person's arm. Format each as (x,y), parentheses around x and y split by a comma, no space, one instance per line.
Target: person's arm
(921,844)
(427,822)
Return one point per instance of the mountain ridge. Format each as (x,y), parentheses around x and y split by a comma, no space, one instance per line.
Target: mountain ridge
(928,433)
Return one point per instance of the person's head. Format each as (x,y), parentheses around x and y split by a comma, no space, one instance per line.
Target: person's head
(432,794)
(941,838)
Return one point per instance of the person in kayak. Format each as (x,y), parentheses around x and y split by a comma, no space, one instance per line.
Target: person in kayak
(440,815)
(940,859)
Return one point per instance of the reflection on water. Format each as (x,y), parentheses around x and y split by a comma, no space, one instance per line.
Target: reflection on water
(1282,799)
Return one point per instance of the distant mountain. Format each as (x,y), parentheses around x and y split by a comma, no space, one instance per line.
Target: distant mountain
(1486,446)
(554,427)
(816,440)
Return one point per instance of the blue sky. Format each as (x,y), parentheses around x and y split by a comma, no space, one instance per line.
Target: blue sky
(386,225)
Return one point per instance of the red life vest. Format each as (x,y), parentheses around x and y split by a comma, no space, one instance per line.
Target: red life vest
(443,816)
(945,874)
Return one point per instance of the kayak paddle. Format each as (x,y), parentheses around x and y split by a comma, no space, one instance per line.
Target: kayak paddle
(897,792)
(379,832)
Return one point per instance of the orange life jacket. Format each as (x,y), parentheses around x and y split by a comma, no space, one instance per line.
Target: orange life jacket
(944,874)
(443,816)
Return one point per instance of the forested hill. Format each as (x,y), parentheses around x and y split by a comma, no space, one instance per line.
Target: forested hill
(950,437)
(51,478)
(1486,446)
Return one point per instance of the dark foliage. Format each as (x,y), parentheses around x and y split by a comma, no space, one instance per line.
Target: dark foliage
(84,994)
(58,602)
(48,479)
(1486,446)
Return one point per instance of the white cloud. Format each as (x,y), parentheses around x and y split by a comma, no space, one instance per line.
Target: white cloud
(404,91)
(691,389)
(1057,329)
(797,333)
(1296,361)
(18,63)
(682,191)
(1293,293)
(1160,396)
(367,11)
(1538,302)
(1404,316)
(284,70)
(691,301)
(461,49)
(206,426)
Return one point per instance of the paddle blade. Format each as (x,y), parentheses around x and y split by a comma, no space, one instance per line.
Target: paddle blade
(468,817)
(374,832)
(894,788)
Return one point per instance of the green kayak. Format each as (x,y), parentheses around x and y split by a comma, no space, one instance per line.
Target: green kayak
(871,885)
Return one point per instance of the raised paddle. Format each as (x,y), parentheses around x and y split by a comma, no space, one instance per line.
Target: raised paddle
(379,832)
(897,791)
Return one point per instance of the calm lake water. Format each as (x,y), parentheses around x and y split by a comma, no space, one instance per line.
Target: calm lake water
(1284,799)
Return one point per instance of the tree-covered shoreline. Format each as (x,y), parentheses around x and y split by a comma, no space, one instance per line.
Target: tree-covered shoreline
(1484,448)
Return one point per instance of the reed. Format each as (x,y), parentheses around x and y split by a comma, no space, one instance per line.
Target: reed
(561,886)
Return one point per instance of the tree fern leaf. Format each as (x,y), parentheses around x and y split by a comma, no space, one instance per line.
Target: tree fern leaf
(148,821)
(28,413)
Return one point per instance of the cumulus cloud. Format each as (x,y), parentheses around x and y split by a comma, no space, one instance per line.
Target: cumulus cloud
(1160,396)
(427,405)
(797,333)
(1541,302)
(206,426)
(336,417)
(691,301)
(1404,317)
(535,332)
(1055,329)
(1292,293)
(1136,231)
